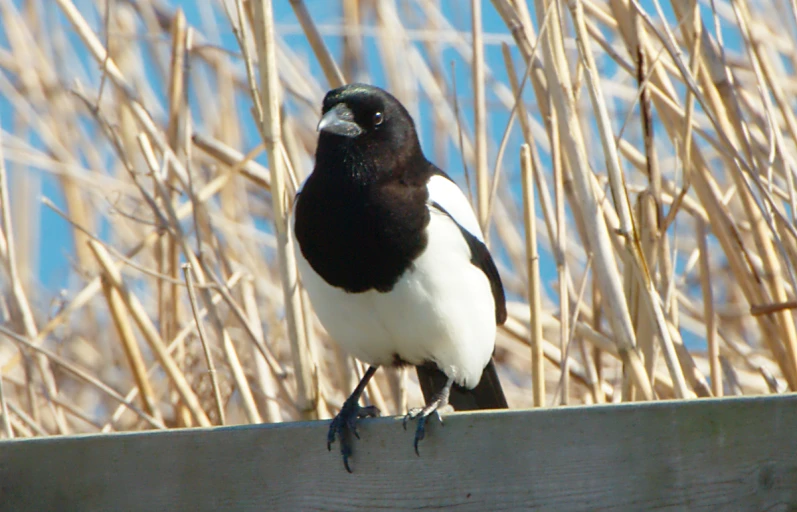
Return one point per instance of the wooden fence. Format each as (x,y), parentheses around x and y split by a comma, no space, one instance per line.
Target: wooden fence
(730,455)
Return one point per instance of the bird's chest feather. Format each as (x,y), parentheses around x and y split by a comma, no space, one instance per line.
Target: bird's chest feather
(440,310)
(360,238)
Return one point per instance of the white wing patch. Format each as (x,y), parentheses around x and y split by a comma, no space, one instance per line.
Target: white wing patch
(450,197)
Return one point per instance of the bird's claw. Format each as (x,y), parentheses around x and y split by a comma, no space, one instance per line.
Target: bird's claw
(362,412)
(421,414)
(346,422)
(411,415)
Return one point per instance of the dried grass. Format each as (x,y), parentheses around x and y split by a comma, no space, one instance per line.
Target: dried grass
(658,190)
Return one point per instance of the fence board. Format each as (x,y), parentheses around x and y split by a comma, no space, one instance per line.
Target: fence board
(732,454)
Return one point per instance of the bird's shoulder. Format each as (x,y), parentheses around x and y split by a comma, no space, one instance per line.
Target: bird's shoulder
(445,195)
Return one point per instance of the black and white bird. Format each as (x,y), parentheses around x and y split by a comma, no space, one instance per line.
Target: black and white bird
(394,261)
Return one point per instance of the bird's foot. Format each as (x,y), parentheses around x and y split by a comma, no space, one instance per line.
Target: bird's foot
(438,402)
(345,424)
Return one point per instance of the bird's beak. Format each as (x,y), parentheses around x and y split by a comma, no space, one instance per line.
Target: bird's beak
(340,121)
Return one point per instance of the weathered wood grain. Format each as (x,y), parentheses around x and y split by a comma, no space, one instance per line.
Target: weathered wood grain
(732,454)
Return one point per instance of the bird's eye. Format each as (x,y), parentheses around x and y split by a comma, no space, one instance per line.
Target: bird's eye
(378,118)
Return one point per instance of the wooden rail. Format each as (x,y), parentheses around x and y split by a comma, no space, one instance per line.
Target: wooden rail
(733,454)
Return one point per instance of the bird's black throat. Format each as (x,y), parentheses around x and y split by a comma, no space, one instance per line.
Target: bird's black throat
(360,221)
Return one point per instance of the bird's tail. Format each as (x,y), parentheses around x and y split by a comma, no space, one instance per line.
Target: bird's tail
(488,394)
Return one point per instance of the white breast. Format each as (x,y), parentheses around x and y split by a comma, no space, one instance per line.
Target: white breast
(440,310)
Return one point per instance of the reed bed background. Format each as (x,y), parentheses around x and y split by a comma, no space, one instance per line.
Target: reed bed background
(632,162)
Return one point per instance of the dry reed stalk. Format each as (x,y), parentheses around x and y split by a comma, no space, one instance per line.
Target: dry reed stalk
(239,376)
(138,110)
(391,49)
(131,349)
(269,406)
(397,384)
(100,54)
(480,115)
(593,377)
(21,430)
(230,352)
(168,247)
(647,220)
(659,255)
(694,377)
(768,231)
(539,174)
(533,262)
(22,306)
(4,421)
(640,266)
(21,39)
(694,63)
(68,408)
(270,130)
(352,40)
(433,49)
(328,65)
(605,266)
(178,340)
(26,422)
(560,251)
(147,328)
(257,341)
(597,353)
(706,188)
(200,328)
(201,271)
(528,52)
(708,306)
(464,47)
(237,162)
(82,374)
(572,323)
(520,333)
(82,297)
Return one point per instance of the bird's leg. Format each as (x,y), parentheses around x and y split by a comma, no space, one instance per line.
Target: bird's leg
(345,423)
(439,400)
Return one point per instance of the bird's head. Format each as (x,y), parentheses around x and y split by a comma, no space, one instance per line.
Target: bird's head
(368,123)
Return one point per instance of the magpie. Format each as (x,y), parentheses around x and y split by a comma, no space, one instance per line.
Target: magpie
(394,261)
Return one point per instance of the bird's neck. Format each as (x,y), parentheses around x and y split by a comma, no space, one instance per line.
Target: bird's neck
(359,168)
(355,227)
